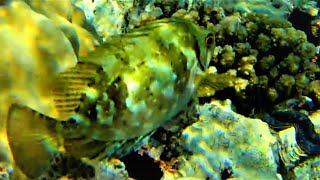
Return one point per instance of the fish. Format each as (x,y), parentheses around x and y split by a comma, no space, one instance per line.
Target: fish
(127,88)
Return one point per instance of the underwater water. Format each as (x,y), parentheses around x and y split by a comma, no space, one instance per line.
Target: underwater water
(170,89)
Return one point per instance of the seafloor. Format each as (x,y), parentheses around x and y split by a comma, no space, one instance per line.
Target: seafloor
(253,115)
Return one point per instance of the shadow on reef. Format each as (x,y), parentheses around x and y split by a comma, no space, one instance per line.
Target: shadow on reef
(141,167)
(302,21)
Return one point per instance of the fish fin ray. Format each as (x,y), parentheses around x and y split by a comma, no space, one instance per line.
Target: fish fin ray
(84,147)
(70,86)
(32,139)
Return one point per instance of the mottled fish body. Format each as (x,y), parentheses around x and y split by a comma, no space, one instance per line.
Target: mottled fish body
(125,89)
(141,79)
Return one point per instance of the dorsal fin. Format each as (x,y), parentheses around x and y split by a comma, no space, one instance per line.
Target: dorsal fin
(32,139)
(70,86)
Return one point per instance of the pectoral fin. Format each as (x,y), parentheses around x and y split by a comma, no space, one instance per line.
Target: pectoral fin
(70,86)
(32,140)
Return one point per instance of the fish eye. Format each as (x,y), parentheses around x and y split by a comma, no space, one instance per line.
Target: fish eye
(209,39)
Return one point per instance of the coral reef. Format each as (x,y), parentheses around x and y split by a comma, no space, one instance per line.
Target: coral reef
(222,139)
(113,169)
(258,54)
(306,18)
(111,17)
(107,17)
(68,166)
(315,91)
(272,56)
(308,170)
(260,61)
(278,8)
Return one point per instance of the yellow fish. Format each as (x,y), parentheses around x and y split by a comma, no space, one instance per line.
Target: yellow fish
(125,89)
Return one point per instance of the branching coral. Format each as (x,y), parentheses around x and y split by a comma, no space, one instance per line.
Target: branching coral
(271,55)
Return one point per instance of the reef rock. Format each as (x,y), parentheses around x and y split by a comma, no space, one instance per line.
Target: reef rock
(224,142)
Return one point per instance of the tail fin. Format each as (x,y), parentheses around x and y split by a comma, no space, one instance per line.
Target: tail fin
(32,140)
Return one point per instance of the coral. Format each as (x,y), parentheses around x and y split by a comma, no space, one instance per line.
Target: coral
(266,53)
(108,169)
(278,8)
(228,56)
(315,91)
(112,169)
(115,17)
(308,170)
(306,18)
(107,17)
(68,166)
(315,119)
(223,139)
(272,56)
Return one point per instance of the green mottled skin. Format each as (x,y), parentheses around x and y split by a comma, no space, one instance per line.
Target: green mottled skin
(129,86)
(147,77)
